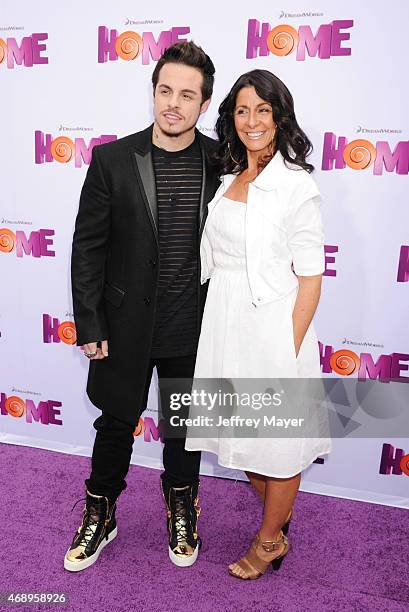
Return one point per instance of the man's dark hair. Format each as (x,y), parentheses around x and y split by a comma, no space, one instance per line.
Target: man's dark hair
(190,54)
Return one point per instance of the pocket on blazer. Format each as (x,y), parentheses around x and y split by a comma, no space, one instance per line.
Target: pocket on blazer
(113,295)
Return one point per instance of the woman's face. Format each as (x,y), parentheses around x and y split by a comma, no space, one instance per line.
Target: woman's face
(253,120)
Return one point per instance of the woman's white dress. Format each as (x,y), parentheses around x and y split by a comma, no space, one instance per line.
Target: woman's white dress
(239,341)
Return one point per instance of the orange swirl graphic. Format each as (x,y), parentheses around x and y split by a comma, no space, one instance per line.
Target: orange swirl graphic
(359,154)
(3,50)
(7,240)
(128,45)
(404,464)
(140,428)
(282,40)
(15,406)
(67,332)
(62,149)
(344,362)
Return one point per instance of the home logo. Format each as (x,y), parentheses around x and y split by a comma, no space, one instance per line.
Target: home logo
(45,412)
(54,331)
(149,429)
(64,149)
(403,267)
(360,154)
(393,461)
(27,53)
(36,244)
(386,368)
(330,259)
(285,39)
(129,45)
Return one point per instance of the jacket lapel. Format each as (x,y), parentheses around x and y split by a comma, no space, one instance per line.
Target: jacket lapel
(143,165)
(203,195)
(208,184)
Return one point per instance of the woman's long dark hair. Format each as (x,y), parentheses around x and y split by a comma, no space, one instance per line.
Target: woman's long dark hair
(289,138)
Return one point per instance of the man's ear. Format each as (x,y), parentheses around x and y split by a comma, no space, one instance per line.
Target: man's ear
(205,105)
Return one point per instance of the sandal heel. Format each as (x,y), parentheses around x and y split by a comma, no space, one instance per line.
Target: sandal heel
(285,528)
(276,563)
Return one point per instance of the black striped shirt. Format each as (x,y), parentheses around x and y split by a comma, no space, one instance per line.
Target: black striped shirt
(178,185)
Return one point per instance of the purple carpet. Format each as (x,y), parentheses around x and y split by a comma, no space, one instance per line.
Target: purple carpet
(345,555)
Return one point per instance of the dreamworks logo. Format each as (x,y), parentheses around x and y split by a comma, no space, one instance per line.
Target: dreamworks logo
(11,28)
(141,21)
(64,128)
(284,15)
(362,130)
(204,129)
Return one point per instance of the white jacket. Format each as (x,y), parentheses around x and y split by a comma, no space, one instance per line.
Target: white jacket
(284,235)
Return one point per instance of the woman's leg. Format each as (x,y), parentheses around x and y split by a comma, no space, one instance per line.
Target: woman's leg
(259,483)
(280,494)
(279,498)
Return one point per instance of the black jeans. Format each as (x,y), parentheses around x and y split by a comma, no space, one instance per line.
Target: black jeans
(112,450)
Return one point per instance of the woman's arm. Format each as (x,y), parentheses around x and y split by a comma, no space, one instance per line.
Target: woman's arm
(306,243)
(305,306)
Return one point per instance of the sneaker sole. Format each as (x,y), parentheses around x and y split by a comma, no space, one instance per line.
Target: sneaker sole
(183,561)
(77,566)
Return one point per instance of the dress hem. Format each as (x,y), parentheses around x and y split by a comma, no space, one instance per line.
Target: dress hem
(257,471)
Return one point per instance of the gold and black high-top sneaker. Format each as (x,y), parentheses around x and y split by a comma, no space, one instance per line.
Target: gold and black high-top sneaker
(97,529)
(183,511)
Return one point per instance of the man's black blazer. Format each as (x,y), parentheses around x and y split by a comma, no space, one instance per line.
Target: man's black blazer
(115,264)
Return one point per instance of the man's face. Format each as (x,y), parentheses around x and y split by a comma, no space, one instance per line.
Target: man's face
(178,99)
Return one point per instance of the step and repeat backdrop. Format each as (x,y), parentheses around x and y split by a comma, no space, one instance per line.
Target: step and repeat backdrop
(78,75)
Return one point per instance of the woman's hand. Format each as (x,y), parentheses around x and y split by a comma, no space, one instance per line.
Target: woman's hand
(305,306)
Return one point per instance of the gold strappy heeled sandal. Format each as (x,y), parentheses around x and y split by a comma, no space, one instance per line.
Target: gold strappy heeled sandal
(252,566)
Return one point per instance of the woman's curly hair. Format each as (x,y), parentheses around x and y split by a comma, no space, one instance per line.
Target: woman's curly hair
(289,138)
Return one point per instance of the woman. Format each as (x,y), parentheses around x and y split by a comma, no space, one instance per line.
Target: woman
(262,248)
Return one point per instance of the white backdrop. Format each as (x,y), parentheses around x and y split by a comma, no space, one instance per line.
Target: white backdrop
(52,83)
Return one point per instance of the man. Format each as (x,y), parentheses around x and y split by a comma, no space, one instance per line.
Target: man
(137,294)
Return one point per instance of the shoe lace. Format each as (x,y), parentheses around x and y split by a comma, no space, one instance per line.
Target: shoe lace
(181,520)
(89,520)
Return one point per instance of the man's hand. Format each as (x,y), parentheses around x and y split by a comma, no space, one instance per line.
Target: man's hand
(92,348)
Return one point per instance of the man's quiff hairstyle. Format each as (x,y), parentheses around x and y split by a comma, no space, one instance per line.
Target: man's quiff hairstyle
(190,54)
